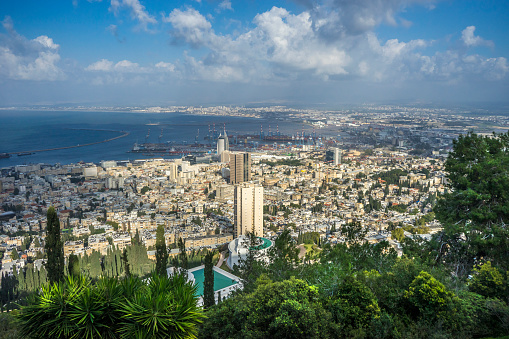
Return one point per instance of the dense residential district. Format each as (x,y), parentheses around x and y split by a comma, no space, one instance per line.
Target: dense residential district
(101,207)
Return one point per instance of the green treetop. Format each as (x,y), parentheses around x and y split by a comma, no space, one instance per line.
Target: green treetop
(161,252)
(54,247)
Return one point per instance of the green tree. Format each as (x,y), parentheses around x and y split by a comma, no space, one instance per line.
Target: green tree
(161,252)
(489,281)
(284,256)
(14,254)
(208,282)
(182,256)
(125,261)
(474,212)
(352,305)
(73,266)
(287,309)
(54,247)
(398,234)
(430,298)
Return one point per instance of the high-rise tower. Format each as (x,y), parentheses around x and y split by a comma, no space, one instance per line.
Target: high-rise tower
(337,156)
(222,143)
(240,167)
(248,209)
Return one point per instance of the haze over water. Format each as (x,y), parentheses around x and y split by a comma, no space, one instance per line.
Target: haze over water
(33,130)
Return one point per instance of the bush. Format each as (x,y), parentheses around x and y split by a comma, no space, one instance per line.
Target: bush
(112,308)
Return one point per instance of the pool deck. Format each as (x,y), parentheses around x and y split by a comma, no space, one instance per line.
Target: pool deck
(226,284)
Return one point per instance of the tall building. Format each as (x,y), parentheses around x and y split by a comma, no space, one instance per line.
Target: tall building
(225,156)
(248,209)
(240,167)
(173,172)
(222,143)
(337,157)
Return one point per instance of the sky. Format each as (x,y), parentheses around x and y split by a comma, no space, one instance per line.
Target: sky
(241,52)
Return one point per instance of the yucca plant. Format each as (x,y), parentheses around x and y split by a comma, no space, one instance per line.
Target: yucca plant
(160,307)
(95,311)
(47,312)
(164,308)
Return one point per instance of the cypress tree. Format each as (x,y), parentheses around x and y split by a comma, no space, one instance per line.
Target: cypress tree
(73,265)
(208,283)
(161,252)
(126,263)
(54,247)
(182,255)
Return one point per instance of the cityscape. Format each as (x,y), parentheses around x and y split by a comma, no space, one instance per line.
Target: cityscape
(283,169)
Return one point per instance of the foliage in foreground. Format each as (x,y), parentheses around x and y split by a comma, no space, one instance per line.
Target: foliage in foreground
(160,307)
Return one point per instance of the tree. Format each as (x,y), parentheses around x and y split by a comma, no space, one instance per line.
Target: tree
(161,252)
(288,309)
(430,297)
(182,256)
(284,256)
(14,254)
(474,213)
(352,305)
(73,266)
(136,239)
(208,282)
(54,247)
(398,234)
(127,270)
(489,282)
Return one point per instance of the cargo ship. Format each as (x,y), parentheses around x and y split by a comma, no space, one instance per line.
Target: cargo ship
(4,155)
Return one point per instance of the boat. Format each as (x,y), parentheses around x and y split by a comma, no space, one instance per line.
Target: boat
(24,153)
(4,155)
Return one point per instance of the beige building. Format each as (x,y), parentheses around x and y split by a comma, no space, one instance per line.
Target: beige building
(248,209)
(240,167)
(209,240)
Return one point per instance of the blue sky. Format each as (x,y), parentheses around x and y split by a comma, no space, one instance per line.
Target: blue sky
(139,52)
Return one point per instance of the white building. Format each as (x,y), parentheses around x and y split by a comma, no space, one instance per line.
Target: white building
(337,156)
(222,143)
(248,209)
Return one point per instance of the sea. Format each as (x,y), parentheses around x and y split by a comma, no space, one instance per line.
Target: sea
(24,131)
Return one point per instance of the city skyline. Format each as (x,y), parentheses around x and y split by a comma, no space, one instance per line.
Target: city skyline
(126,52)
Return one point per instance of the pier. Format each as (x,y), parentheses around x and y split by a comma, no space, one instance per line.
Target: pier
(124,134)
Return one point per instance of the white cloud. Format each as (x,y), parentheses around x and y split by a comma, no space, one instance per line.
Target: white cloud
(24,59)
(102,65)
(190,26)
(286,46)
(123,66)
(46,42)
(166,66)
(137,10)
(225,5)
(471,40)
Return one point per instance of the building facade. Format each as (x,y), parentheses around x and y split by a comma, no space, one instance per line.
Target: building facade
(337,156)
(248,210)
(240,167)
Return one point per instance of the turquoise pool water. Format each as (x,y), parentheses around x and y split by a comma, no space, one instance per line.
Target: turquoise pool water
(266,243)
(220,281)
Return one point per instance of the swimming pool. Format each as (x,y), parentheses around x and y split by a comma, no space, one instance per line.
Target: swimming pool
(220,281)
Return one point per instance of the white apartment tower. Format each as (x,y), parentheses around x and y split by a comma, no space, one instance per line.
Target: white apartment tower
(248,209)
(337,156)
